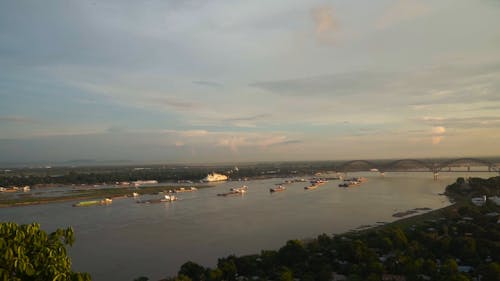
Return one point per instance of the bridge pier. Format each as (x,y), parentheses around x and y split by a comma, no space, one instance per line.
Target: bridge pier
(436,175)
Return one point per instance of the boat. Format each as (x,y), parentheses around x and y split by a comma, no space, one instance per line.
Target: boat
(146,182)
(230,193)
(311,187)
(241,189)
(277,188)
(213,177)
(183,189)
(168,198)
(235,191)
(106,201)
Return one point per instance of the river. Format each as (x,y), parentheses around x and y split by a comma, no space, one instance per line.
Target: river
(126,240)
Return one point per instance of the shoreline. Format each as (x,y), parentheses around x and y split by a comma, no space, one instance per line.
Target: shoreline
(97,194)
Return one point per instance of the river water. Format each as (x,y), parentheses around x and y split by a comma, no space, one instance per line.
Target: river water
(126,240)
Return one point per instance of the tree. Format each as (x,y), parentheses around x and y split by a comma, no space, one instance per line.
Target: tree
(192,270)
(292,254)
(285,274)
(29,253)
(228,268)
(491,271)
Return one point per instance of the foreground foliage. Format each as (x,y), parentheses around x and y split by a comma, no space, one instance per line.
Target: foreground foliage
(29,253)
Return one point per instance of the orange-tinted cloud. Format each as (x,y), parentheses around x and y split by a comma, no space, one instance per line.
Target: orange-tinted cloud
(325,24)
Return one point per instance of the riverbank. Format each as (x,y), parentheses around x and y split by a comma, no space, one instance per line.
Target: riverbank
(457,242)
(88,194)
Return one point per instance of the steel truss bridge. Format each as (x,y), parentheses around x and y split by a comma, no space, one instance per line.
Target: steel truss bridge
(433,166)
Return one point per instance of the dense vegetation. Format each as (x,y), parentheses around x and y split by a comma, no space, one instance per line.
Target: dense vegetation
(461,242)
(29,253)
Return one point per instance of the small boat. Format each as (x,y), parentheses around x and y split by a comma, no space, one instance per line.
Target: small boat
(278,188)
(168,198)
(311,187)
(241,189)
(235,191)
(183,189)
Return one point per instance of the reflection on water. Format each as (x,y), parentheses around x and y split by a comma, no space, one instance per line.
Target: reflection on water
(126,240)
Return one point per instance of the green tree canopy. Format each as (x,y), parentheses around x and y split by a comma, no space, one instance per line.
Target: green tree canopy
(29,253)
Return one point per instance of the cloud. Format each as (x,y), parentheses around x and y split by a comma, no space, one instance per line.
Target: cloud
(255,141)
(333,84)
(439,130)
(422,89)
(436,139)
(17,119)
(401,11)
(325,24)
(194,133)
(474,122)
(437,134)
(248,118)
(173,103)
(208,83)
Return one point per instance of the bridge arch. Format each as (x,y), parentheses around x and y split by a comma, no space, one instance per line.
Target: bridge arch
(489,164)
(419,163)
(363,163)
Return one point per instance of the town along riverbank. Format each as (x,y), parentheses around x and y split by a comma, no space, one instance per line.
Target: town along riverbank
(459,242)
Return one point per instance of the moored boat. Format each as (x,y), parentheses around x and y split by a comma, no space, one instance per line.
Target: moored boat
(106,201)
(183,189)
(241,189)
(235,191)
(277,189)
(168,198)
(311,187)
(213,177)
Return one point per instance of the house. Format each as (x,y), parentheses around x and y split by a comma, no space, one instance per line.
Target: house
(465,268)
(495,199)
(479,201)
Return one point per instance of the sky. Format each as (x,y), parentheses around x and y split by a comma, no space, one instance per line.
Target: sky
(191,81)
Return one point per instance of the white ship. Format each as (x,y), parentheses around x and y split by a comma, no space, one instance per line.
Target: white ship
(215,177)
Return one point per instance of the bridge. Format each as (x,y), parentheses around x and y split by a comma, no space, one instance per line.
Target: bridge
(434,166)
